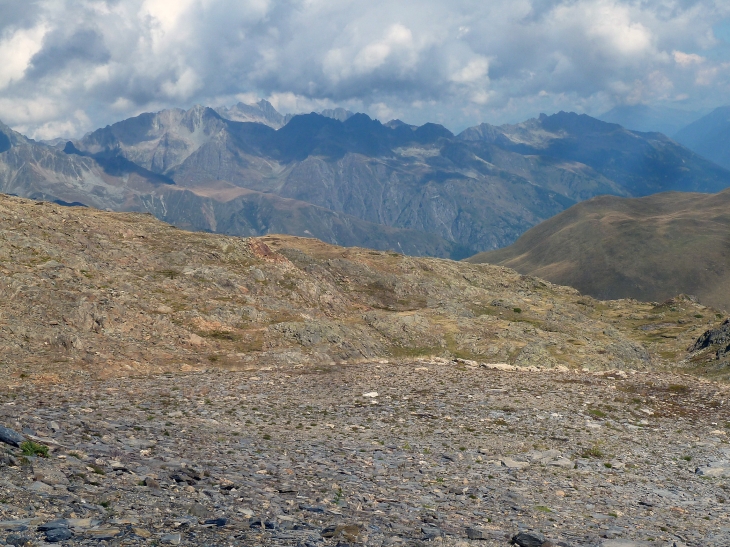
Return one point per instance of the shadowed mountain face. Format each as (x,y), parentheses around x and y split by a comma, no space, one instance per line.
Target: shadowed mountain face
(649,248)
(641,163)
(709,136)
(354,181)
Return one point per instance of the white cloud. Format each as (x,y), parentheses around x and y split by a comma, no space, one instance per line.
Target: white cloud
(16,52)
(458,61)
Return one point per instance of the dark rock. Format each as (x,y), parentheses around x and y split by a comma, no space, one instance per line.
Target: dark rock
(16,539)
(171,539)
(216,522)
(53,525)
(476,533)
(255,522)
(8,436)
(56,535)
(431,532)
(198,510)
(312,508)
(149,482)
(714,337)
(529,539)
(180,477)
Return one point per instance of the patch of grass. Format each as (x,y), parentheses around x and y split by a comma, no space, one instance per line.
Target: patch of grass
(517,310)
(97,469)
(597,413)
(687,458)
(219,335)
(592,452)
(543,509)
(677,388)
(169,274)
(31,448)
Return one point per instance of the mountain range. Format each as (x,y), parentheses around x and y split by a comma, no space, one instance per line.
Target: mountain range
(350,180)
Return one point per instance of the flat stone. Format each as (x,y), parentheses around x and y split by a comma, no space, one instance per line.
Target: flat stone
(624,543)
(216,522)
(102,533)
(141,532)
(198,510)
(529,539)
(476,533)
(41,488)
(565,463)
(20,525)
(52,525)
(171,539)
(509,463)
(56,535)
(714,471)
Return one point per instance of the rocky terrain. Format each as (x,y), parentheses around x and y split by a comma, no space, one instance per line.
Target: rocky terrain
(163,387)
(423,452)
(647,248)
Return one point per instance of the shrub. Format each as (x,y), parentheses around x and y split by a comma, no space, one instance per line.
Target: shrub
(31,448)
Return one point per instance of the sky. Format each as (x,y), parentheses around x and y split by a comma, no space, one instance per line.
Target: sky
(70,66)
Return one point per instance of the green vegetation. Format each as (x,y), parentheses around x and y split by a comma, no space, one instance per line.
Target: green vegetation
(592,452)
(31,448)
(597,413)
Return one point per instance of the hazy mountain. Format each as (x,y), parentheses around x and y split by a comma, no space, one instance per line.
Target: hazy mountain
(650,248)
(709,136)
(339,114)
(650,119)
(418,190)
(641,163)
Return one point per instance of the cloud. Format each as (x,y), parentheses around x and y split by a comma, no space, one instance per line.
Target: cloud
(72,65)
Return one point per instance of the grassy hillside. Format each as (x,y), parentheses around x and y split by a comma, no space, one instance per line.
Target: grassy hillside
(649,248)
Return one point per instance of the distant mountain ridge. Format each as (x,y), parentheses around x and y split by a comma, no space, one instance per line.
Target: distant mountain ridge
(351,180)
(709,136)
(650,119)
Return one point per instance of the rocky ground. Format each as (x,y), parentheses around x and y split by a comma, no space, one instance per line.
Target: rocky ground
(378,453)
(85,293)
(195,389)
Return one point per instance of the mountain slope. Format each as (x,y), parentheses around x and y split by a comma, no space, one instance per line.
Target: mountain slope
(709,136)
(649,248)
(641,163)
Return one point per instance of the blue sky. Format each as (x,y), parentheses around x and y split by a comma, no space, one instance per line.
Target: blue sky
(73,65)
